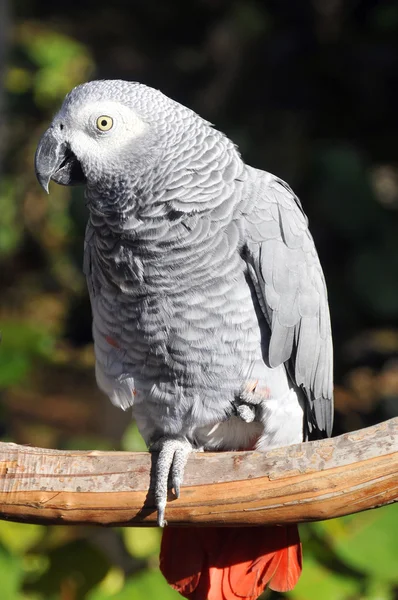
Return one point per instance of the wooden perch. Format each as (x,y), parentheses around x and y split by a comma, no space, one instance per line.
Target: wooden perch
(306,482)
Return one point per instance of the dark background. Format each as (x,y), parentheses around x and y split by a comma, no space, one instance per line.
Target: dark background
(309,91)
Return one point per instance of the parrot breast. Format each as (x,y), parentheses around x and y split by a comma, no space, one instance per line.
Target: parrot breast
(177,333)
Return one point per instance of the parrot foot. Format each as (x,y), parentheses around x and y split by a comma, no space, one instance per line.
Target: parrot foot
(246,413)
(249,401)
(173,455)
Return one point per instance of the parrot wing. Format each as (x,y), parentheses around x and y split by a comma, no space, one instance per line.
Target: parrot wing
(286,273)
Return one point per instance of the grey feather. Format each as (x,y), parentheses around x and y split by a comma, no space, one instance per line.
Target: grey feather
(289,277)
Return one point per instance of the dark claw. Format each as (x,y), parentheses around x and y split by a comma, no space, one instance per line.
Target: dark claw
(176,487)
(161,520)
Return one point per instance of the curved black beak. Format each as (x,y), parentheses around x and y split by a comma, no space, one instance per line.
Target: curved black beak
(55,160)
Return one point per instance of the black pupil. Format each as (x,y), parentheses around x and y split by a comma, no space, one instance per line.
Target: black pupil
(104,122)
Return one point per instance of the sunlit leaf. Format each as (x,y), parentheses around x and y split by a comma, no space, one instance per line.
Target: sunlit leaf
(142,542)
(19,537)
(62,62)
(148,585)
(132,439)
(367,541)
(11,575)
(379,590)
(113,582)
(317,582)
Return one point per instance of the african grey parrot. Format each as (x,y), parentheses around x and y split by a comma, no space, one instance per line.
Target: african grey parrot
(210,311)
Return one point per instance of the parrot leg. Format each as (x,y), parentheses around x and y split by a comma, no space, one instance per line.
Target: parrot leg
(173,455)
(250,399)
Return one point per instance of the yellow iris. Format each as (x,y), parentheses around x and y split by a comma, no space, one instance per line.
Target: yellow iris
(104,123)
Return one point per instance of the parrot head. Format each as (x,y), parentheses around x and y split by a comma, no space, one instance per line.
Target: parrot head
(104,128)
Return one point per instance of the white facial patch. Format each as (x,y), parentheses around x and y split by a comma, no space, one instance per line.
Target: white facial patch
(89,143)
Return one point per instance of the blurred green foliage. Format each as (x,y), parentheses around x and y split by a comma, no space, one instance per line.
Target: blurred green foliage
(309,91)
(21,345)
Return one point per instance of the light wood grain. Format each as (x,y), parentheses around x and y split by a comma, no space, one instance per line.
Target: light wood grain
(306,482)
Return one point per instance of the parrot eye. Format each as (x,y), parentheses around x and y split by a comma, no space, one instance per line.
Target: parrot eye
(104,123)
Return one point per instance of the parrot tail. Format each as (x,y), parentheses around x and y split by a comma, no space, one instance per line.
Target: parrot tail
(230,563)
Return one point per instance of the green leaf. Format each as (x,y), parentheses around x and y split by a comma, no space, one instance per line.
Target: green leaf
(13,368)
(142,542)
(25,338)
(11,570)
(132,439)
(20,537)
(317,582)
(20,343)
(148,585)
(87,442)
(77,566)
(367,541)
(111,585)
(62,62)
(379,590)
(50,48)
(10,223)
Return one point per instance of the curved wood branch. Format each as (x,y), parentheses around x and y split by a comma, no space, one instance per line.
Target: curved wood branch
(306,482)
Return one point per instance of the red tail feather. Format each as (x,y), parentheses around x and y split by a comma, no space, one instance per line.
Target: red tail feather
(223,563)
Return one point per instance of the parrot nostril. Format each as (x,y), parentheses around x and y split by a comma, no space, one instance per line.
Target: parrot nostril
(61,126)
